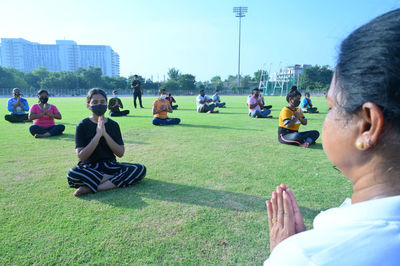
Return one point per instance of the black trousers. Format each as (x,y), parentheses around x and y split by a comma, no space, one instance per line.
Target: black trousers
(54,130)
(297,138)
(15,118)
(135,96)
(119,113)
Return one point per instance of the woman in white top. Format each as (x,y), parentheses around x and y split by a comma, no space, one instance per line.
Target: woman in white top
(361,138)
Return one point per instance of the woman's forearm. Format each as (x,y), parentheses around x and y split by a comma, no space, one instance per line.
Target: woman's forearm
(33,116)
(115,147)
(85,153)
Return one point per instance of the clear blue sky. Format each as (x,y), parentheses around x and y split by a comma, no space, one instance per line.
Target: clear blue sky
(199,37)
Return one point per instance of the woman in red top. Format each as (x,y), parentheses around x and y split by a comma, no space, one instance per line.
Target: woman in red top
(43,115)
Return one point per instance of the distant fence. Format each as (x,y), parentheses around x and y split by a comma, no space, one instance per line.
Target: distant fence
(6,92)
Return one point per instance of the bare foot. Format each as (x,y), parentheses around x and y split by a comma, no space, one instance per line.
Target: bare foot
(82,191)
(305,145)
(45,135)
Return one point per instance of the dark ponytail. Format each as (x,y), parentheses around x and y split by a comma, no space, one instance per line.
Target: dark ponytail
(293,92)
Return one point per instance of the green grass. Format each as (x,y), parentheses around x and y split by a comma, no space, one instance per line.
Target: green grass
(202,201)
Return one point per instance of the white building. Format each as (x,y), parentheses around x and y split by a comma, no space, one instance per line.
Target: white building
(65,55)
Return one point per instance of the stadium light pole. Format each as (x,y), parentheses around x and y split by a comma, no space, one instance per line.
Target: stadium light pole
(240,12)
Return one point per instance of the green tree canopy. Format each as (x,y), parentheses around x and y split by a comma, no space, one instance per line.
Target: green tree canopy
(173,74)
(315,77)
(187,82)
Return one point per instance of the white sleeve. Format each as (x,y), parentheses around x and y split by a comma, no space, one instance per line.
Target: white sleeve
(287,253)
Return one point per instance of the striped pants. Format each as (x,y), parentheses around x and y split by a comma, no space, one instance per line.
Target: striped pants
(90,175)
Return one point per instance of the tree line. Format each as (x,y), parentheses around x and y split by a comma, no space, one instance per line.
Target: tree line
(312,78)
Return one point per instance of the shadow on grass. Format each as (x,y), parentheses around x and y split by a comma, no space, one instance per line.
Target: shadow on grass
(217,127)
(131,198)
(316,146)
(63,137)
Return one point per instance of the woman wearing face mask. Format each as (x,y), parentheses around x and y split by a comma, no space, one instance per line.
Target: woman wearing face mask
(161,107)
(360,136)
(97,141)
(290,119)
(43,115)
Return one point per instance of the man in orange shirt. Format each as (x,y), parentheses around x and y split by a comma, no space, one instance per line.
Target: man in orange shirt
(161,107)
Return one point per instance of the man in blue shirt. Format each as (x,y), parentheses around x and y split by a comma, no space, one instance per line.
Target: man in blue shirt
(17,106)
(306,105)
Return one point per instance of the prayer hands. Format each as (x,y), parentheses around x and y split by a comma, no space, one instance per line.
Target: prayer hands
(46,109)
(100,126)
(284,216)
(298,114)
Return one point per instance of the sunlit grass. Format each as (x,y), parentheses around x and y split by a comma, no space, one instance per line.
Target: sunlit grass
(202,201)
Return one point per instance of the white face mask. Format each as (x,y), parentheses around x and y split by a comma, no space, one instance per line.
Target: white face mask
(163,96)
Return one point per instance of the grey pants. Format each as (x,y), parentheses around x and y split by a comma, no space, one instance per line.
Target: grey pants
(204,108)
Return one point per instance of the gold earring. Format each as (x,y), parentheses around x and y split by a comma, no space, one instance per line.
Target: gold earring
(360,145)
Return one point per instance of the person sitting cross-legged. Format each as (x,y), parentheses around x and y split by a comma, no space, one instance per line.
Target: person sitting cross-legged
(307,106)
(290,119)
(43,115)
(172,100)
(217,100)
(97,141)
(255,103)
(114,104)
(203,103)
(17,106)
(161,107)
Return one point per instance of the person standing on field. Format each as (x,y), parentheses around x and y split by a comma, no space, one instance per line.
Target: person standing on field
(137,90)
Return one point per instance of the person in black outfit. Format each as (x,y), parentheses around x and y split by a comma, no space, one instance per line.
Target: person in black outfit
(137,90)
(97,141)
(114,104)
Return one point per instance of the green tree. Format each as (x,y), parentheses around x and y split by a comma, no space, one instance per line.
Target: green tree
(171,85)
(187,82)
(257,75)
(217,82)
(92,76)
(245,81)
(315,78)
(35,77)
(173,74)
(11,78)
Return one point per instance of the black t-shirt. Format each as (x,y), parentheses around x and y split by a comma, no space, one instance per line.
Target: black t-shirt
(136,86)
(86,130)
(111,104)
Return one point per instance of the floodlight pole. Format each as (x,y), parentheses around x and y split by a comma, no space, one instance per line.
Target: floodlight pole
(240,12)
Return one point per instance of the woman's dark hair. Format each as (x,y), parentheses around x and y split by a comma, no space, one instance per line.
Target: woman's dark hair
(95,91)
(293,92)
(41,91)
(368,68)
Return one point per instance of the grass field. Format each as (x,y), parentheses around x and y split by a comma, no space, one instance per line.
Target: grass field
(202,201)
